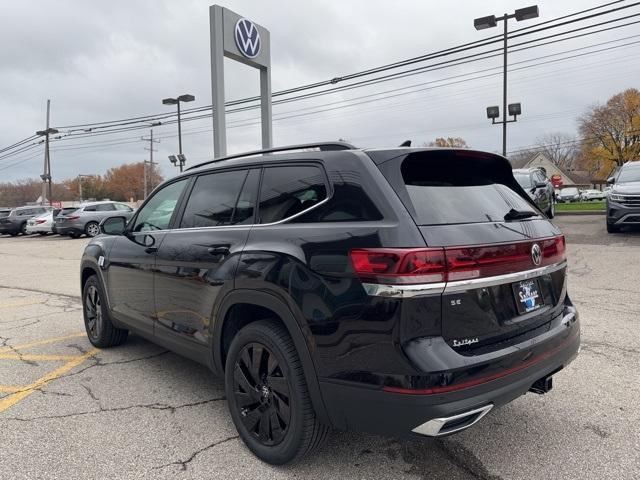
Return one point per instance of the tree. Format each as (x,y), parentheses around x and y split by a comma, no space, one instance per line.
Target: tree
(454,142)
(126,182)
(611,132)
(561,149)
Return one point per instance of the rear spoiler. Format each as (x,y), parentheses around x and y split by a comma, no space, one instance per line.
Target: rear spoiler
(484,166)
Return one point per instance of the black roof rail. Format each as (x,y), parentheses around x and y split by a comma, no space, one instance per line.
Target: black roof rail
(322,146)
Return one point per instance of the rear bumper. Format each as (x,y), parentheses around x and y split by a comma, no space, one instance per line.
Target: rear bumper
(66,230)
(9,228)
(39,228)
(355,407)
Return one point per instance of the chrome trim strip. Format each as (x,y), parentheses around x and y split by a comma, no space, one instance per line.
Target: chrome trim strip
(428,289)
(461,285)
(432,428)
(623,219)
(403,291)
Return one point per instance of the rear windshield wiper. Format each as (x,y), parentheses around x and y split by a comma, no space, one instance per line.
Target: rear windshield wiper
(514,214)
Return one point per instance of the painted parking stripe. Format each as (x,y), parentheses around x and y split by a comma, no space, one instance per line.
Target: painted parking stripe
(42,342)
(14,398)
(37,358)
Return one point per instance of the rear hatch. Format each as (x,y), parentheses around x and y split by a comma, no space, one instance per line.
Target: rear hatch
(504,261)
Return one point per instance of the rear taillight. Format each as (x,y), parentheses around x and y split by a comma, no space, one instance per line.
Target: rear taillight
(450,264)
(72,217)
(40,221)
(399,265)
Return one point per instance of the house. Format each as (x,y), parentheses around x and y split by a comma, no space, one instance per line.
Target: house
(560,177)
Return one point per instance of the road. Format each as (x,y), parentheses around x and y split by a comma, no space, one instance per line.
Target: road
(137,411)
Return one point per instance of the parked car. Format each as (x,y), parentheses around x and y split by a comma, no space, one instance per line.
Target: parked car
(42,223)
(589,194)
(86,218)
(534,181)
(4,212)
(16,221)
(606,190)
(569,194)
(403,291)
(623,201)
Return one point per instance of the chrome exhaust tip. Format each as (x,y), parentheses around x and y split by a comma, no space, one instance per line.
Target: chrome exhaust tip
(444,426)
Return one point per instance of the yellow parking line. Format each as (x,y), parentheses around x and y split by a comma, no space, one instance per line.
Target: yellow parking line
(11,400)
(20,304)
(10,389)
(34,358)
(42,342)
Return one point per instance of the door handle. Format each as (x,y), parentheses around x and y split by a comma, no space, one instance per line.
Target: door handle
(218,250)
(151,249)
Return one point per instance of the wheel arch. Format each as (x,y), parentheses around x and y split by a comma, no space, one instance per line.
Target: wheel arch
(268,303)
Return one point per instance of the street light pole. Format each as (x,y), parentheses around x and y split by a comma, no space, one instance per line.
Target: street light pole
(504,90)
(512,109)
(176,101)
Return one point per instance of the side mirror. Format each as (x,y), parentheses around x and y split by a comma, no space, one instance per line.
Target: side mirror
(611,180)
(113,225)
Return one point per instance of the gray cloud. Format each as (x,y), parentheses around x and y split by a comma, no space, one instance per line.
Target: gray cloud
(110,60)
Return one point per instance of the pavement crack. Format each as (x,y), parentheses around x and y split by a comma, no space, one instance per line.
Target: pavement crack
(185,463)
(101,409)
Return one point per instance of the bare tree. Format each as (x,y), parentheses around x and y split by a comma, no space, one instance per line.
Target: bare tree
(560,148)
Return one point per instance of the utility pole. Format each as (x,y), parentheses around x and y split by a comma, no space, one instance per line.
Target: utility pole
(80,177)
(150,162)
(46,175)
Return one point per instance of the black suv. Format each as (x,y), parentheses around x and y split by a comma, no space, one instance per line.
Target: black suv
(623,201)
(535,182)
(405,291)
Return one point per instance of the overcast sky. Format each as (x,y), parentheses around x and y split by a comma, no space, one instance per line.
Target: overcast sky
(112,60)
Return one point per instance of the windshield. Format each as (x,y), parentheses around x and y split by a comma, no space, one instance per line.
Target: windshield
(630,175)
(569,191)
(524,179)
(4,213)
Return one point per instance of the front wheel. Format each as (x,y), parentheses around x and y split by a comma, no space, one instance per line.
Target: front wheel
(23,229)
(551,212)
(611,228)
(267,395)
(97,321)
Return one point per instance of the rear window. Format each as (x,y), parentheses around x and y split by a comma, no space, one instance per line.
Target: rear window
(524,179)
(447,188)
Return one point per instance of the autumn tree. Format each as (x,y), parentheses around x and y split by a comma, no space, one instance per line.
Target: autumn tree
(611,133)
(560,148)
(454,142)
(126,182)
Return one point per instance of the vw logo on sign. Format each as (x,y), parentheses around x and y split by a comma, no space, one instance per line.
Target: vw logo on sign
(536,254)
(247,38)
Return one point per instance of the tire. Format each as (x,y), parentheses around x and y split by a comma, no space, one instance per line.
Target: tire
(552,210)
(91,229)
(23,229)
(13,234)
(42,234)
(259,399)
(97,321)
(74,235)
(611,228)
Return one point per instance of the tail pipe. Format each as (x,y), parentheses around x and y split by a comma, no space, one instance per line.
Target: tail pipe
(455,423)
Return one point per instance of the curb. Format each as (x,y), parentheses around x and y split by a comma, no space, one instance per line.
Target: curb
(581,212)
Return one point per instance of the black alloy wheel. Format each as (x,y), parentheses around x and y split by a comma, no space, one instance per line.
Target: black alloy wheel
(267,394)
(93,309)
(262,394)
(100,330)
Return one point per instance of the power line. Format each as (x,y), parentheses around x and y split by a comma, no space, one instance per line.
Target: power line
(429,56)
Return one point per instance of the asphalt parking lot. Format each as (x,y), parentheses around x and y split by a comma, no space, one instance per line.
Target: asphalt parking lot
(68,410)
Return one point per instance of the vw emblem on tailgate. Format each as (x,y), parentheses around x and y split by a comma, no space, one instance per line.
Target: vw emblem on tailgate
(247,38)
(536,254)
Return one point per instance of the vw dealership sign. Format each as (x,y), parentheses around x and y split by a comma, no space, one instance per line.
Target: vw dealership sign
(247,38)
(235,37)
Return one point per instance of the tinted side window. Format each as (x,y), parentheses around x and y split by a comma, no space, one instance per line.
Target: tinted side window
(90,208)
(122,207)
(105,207)
(289,190)
(225,198)
(156,213)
